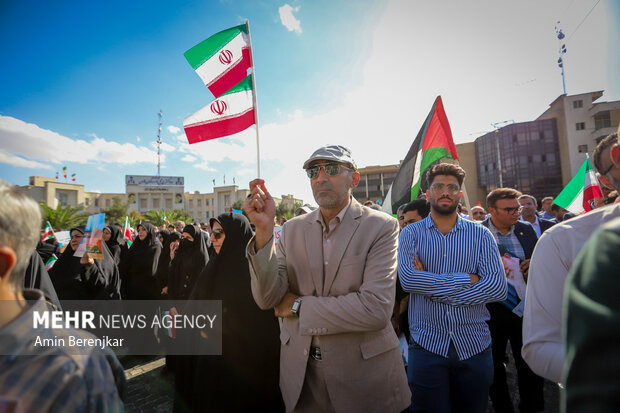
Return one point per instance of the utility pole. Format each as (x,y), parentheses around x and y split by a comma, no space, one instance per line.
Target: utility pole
(159,142)
(499,158)
(561,52)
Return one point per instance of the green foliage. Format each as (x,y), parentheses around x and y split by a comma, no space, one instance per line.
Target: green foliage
(134,218)
(117,212)
(63,217)
(288,213)
(156,216)
(239,205)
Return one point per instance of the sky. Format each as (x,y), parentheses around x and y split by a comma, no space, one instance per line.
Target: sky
(82,82)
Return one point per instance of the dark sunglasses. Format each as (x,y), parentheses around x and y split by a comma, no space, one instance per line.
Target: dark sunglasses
(331,169)
(217,233)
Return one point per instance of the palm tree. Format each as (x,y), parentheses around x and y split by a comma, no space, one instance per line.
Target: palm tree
(63,217)
(117,212)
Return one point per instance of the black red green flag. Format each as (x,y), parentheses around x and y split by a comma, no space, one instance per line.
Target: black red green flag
(433,142)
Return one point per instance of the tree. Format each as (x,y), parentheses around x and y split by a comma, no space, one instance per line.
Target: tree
(63,217)
(134,218)
(283,211)
(117,212)
(239,205)
(156,216)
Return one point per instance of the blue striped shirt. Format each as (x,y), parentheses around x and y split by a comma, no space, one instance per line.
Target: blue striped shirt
(444,306)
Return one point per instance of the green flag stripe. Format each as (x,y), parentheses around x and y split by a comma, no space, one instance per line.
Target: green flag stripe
(571,190)
(429,156)
(206,49)
(245,84)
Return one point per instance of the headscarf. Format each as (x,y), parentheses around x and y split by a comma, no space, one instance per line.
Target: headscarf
(72,281)
(142,261)
(188,263)
(114,242)
(246,362)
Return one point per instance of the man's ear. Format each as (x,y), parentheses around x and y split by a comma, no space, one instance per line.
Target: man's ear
(356,179)
(8,259)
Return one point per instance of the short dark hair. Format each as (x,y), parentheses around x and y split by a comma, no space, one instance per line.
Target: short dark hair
(445,169)
(607,142)
(420,205)
(530,197)
(501,193)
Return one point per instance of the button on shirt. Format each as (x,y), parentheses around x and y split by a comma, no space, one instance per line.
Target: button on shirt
(329,230)
(445,307)
(509,241)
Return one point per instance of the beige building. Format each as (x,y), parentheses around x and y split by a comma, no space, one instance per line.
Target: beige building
(582,122)
(147,193)
(467,161)
(375,182)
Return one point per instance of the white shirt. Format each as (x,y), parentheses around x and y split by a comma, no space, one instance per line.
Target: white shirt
(552,259)
(536,225)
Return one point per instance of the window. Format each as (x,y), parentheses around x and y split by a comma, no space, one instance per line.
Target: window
(96,202)
(62,198)
(577,104)
(155,203)
(191,203)
(143,204)
(602,120)
(583,148)
(580,125)
(107,203)
(199,202)
(87,201)
(207,202)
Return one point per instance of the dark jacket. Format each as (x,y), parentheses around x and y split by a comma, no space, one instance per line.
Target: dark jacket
(545,224)
(525,234)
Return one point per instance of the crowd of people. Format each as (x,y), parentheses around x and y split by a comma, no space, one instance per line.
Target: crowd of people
(350,310)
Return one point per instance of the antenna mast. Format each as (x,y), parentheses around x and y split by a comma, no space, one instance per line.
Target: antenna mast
(561,52)
(159,142)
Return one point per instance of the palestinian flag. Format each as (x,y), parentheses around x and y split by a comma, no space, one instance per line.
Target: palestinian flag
(434,141)
(231,113)
(127,232)
(73,177)
(50,262)
(64,171)
(48,233)
(579,194)
(223,59)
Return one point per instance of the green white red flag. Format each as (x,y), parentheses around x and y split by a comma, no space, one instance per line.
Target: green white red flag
(48,233)
(223,59)
(64,171)
(231,113)
(578,196)
(165,218)
(73,177)
(50,262)
(433,142)
(127,232)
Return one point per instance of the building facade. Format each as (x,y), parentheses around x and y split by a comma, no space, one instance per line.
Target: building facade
(581,123)
(375,181)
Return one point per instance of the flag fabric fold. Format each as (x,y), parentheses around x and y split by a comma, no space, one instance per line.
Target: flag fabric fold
(222,60)
(231,113)
(127,232)
(48,233)
(579,194)
(433,142)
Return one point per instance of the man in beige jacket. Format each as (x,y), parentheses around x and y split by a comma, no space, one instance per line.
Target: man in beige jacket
(331,278)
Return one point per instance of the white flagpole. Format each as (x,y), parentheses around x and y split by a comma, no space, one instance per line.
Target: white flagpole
(255,101)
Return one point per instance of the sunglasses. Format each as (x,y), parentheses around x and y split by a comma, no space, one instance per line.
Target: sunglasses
(452,188)
(331,169)
(217,233)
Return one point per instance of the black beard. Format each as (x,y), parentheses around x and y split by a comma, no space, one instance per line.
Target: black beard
(443,210)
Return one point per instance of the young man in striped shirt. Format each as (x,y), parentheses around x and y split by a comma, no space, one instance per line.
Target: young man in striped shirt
(452,268)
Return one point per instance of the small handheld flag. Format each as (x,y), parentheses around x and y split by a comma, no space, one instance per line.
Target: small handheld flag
(48,233)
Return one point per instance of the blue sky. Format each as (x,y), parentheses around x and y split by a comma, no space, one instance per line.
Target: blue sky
(82,82)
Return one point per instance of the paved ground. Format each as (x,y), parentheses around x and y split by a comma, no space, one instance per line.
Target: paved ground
(148,391)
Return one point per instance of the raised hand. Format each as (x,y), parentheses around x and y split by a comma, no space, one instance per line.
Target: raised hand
(261,209)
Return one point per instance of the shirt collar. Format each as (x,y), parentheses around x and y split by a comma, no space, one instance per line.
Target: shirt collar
(429,223)
(338,217)
(497,231)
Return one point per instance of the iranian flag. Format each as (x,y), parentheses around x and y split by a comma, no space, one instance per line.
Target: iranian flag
(433,142)
(231,113)
(50,262)
(223,59)
(48,233)
(579,194)
(165,218)
(73,177)
(127,232)
(64,171)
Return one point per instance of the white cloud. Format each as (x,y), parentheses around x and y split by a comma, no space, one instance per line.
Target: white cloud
(138,138)
(173,129)
(181,138)
(204,166)
(27,140)
(167,148)
(21,162)
(188,158)
(288,20)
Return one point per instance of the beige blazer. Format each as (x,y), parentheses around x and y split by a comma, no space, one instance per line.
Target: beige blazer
(350,309)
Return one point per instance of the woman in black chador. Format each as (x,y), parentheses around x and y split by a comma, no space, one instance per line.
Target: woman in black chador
(113,239)
(89,280)
(245,377)
(141,266)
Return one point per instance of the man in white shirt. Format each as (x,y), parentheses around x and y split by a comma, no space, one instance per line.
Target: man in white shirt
(528,214)
(552,259)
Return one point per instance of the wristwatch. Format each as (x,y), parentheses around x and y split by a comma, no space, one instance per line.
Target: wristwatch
(295,307)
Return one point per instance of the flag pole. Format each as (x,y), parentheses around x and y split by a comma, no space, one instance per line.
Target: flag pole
(254,99)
